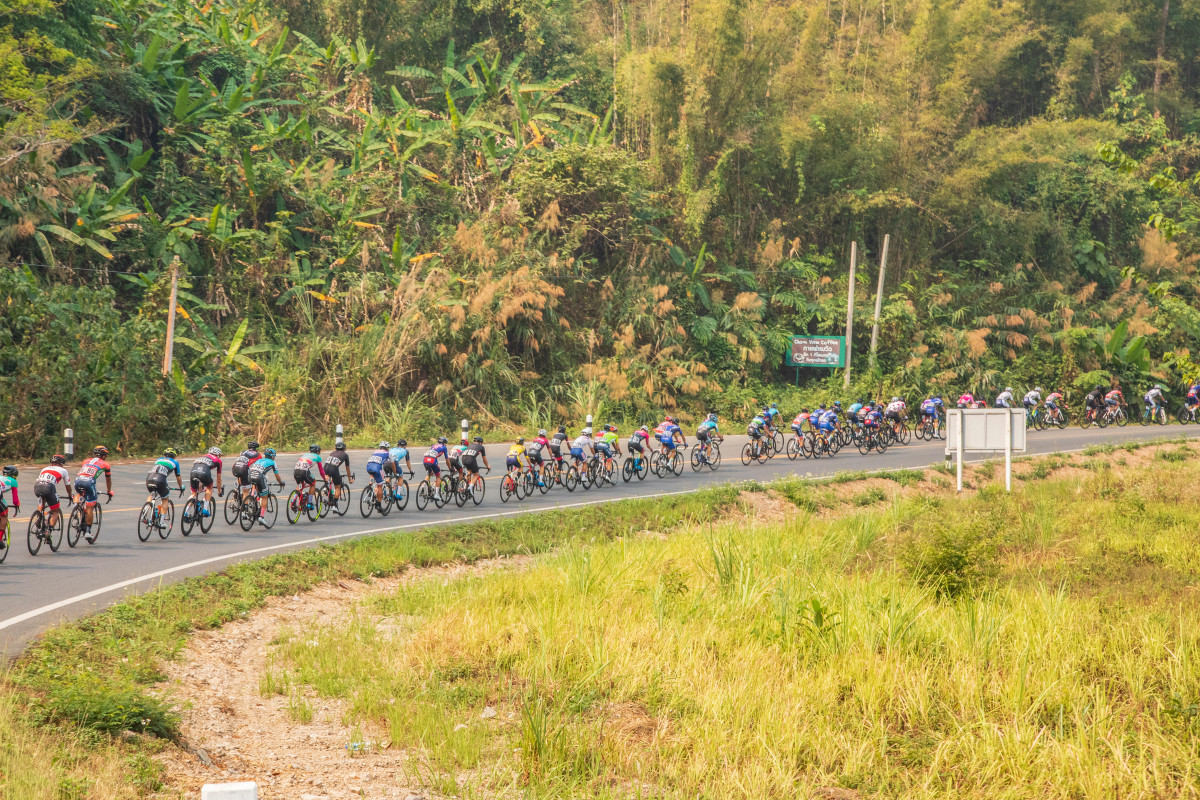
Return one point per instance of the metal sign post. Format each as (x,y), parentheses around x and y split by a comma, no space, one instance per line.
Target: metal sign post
(985,430)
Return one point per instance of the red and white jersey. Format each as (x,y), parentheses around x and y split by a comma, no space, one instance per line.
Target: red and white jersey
(896,406)
(54,475)
(93,467)
(966,399)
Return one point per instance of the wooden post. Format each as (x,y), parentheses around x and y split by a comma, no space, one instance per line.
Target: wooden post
(879,296)
(850,310)
(171,317)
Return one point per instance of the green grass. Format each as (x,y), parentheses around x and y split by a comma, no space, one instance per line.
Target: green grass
(1038,644)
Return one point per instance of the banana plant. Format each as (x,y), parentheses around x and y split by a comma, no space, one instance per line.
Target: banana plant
(234,356)
(94,215)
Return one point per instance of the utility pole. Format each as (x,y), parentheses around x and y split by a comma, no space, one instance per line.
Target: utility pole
(879,297)
(850,310)
(171,317)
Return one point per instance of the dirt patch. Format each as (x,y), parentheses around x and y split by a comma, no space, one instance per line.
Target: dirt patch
(765,507)
(233,731)
(632,722)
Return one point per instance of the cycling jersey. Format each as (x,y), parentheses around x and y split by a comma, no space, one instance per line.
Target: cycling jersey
(1094,397)
(1114,397)
(930,406)
(8,490)
(637,440)
(258,471)
(333,466)
(1031,398)
(376,462)
(896,407)
(1052,399)
(667,439)
(1004,400)
(966,400)
(243,461)
(874,418)
(1194,390)
(1154,397)
(91,468)
(607,438)
(772,413)
(162,468)
(828,420)
(302,472)
(398,455)
(556,444)
(515,453)
(798,422)
(758,421)
(455,453)
(579,445)
(534,450)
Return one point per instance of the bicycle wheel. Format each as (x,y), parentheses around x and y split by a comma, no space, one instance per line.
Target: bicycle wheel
(341,504)
(507,488)
(696,462)
(206,520)
(5,540)
(233,505)
(315,507)
(1182,415)
(34,534)
(777,442)
(54,534)
(571,479)
(478,489)
(295,507)
(166,522)
(545,479)
(366,500)
(247,514)
(1122,418)
(75,526)
(677,463)
(763,451)
(528,484)
(1160,415)
(462,492)
(748,454)
(400,498)
(1144,419)
(145,525)
(188,520)
(424,495)
(444,492)
(714,457)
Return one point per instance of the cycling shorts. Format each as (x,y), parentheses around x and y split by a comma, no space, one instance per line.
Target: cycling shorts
(375,472)
(636,447)
(535,456)
(753,432)
(667,442)
(827,427)
(577,452)
(86,489)
(454,462)
(260,482)
(512,461)
(48,494)
(302,477)
(1108,402)
(200,479)
(894,416)
(432,467)
(471,464)
(157,485)
(1193,400)
(388,468)
(334,474)
(604,449)
(1051,404)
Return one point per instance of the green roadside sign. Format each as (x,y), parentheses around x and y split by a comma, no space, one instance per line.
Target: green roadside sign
(817,351)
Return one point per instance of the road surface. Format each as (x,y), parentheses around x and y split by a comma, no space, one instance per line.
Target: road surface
(39,592)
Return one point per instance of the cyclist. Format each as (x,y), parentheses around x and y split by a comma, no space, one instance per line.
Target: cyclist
(398,453)
(1005,399)
(672,434)
(707,432)
(470,460)
(1031,400)
(45,487)
(895,412)
(1113,399)
(241,466)
(1153,399)
(201,476)
(557,442)
(534,451)
(379,462)
(931,409)
(853,411)
(337,469)
(156,480)
(256,475)
(874,417)
(966,400)
(454,456)
(302,472)
(1193,394)
(1093,401)
(1051,403)
(8,486)
(755,431)
(798,421)
(639,440)
(828,423)
(85,483)
(772,412)
(582,442)
(516,459)
(430,459)
(608,445)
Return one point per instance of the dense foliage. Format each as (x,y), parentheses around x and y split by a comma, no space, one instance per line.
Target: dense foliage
(393,216)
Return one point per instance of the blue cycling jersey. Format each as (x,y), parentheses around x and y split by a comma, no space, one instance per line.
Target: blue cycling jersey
(376,460)
(398,454)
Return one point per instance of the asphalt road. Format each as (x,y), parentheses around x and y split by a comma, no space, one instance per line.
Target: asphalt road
(38,592)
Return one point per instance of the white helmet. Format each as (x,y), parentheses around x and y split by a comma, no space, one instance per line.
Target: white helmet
(1008,388)
(587,431)
(1037,389)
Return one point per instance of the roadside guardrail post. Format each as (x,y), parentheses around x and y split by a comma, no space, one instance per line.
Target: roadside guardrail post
(69,443)
(244,790)
(337,438)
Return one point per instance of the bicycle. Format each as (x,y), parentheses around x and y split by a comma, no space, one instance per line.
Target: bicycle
(709,456)
(460,487)
(41,531)
(150,518)
(1113,414)
(795,447)
(249,512)
(1036,419)
(517,482)
(435,490)
(192,513)
(754,450)
(820,443)
(547,476)
(671,461)
(602,469)
(872,439)
(635,464)
(6,534)
(1059,417)
(1186,414)
(339,505)
(301,502)
(233,504)
(78,519)
(1157,415)
(393,494)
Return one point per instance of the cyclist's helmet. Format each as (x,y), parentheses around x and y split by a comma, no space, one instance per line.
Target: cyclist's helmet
(520,440)
(441,440)
(822,406)
(774,405)
(340,446)
(314,448)
(837,403)
(10,471)
(215,451)
(384,446)
(252,445)
(1099,388)
(897,399)
(1008,388)
(860,401)
(712,417)
(587,431)
(562,428)
(269,452)
(478,440)
(169,452)
(645,428)
(1158,386)
(541,431)
(401,443)
(1037,389)
(100,452)
(803,410)
(58,460)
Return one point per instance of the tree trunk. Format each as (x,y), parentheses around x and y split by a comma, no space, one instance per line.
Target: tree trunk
(1162,46)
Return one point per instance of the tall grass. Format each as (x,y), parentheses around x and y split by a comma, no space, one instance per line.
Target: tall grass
(1039,644)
